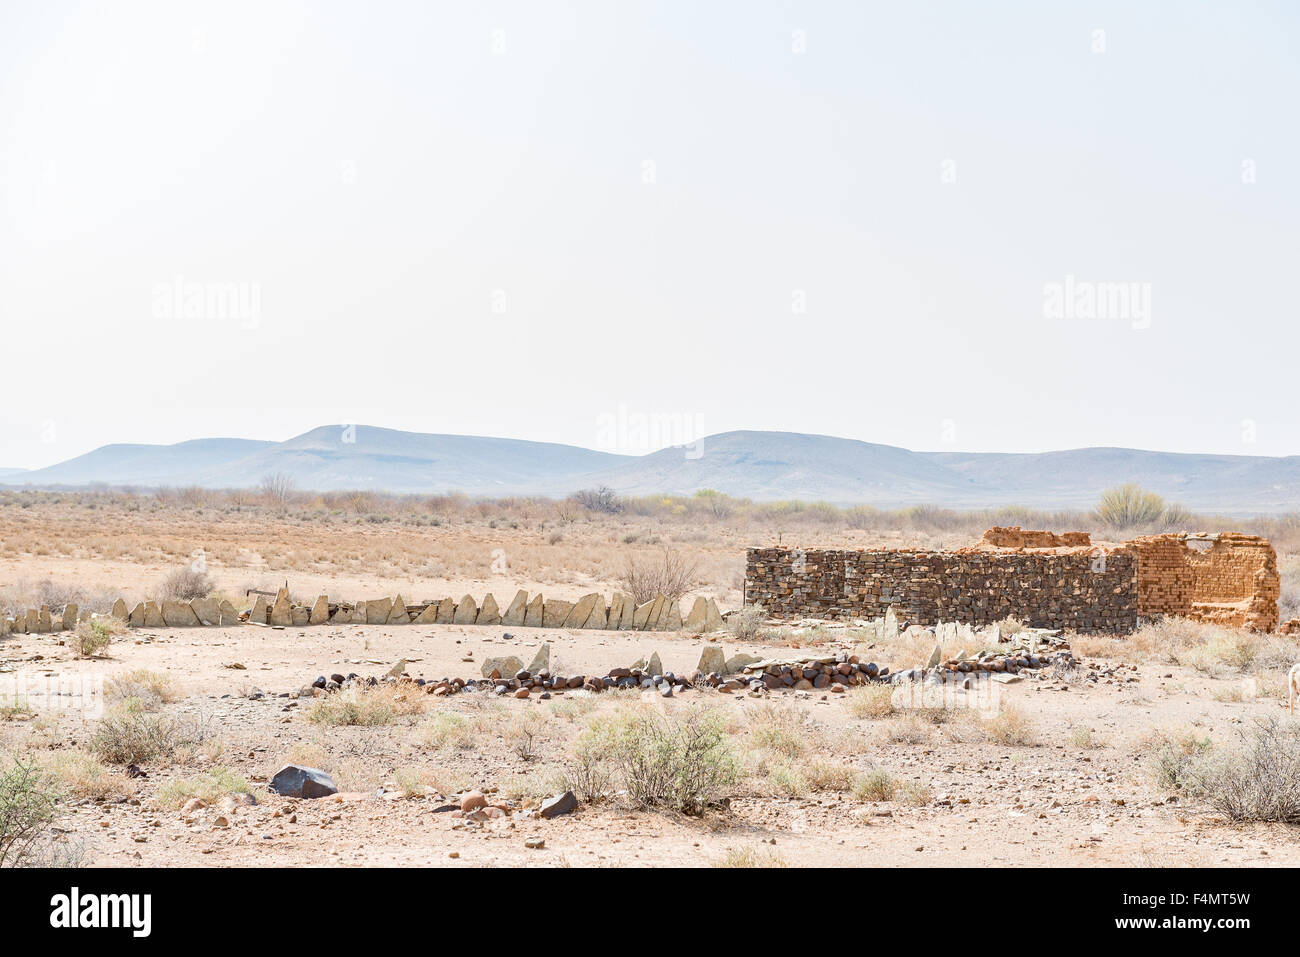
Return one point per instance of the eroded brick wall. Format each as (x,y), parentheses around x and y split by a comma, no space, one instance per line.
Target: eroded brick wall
(1017,537)
(1229,578)
(1046,589)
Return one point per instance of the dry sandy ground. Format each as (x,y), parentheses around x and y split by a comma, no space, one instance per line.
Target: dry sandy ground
(1054,802)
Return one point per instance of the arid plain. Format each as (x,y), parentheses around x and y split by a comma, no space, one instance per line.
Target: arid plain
(1105,762)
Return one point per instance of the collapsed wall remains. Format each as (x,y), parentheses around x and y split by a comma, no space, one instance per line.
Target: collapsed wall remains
(1041,578)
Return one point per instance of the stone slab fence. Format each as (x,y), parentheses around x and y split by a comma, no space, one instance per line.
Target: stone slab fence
(591,611)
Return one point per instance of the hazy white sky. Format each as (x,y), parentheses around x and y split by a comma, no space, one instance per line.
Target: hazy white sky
(536,219)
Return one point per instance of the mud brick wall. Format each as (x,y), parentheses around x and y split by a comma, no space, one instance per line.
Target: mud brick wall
(1042,589)
(1017,537)
(1230,578)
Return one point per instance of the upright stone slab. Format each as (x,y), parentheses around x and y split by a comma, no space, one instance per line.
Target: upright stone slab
(179,614)
(378,610)
(542,660)
(342,615)
(44,620)
(671,620)
(261,611)
(489,614)
(514,615)
(153,616)
(629,614)
(641,617)
(229,615)
(399,615)
(446,611)
(119,609)
(599,617)
(32,622)
(281,615)
(300,615)
(320,611)
(136,618)
(466,611)
(579,613)
(206,610)
(699,615)
(534,612)
(615,610)
(429,615)
(554,612)
(889,632)
(69,620)
(713,618)
(712,661)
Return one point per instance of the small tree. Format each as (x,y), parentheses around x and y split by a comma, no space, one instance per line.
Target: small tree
(672,578)
(1129,505)
(278,488)
(601,500)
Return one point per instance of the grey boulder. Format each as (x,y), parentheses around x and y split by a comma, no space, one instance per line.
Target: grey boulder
(294,781)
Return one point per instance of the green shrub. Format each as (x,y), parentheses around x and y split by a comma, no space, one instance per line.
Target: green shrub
(679,762)
(28,806)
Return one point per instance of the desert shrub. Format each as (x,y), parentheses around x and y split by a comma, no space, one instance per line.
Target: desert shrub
(909,728)
(28,806)
(367,707)
(130,734)
(587,774)
(83,776)
(92,637)
(917,794)
(522,734)
(876,785)
(1213,649)
(871,701)
(184,584)
(1011,727)
(447,731)
(1171,756)
(1129,505)
(1259,780)
(680,762)
(671,577)
(784,729)
(747,624)
(825,775)
(750,857)
(209,787)
(152,689)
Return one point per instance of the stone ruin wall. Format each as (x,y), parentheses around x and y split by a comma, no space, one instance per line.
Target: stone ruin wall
(1044,589)
(1043,579)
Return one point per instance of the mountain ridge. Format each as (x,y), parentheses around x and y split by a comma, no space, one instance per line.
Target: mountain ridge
(756,464)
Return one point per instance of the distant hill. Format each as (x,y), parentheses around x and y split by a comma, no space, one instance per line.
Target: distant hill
(757,465)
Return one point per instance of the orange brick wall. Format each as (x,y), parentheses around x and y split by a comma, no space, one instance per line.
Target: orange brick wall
(1229,578)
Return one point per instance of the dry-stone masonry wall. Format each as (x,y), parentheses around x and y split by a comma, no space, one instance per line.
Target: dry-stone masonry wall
(1043,579)
(1044,589)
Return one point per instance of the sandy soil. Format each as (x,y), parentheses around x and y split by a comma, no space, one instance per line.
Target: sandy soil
(1053,802)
